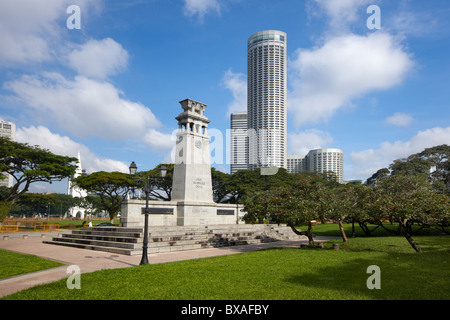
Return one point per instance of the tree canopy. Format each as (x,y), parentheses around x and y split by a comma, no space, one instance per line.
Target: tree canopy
(408,193)
(111,187)
(29,164)
(432,163)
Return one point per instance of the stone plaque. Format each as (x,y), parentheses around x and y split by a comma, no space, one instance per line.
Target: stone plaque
(158,210)
(225,212)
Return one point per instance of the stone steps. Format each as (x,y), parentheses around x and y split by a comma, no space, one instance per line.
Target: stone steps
(129,241)
(119,240)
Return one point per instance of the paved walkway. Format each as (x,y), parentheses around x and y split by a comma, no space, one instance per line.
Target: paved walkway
(90,260)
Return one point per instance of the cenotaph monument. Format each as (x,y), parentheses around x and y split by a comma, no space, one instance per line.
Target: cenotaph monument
(192,170)
(192,196)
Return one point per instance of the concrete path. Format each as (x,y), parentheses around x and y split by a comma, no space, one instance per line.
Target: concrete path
(90,260)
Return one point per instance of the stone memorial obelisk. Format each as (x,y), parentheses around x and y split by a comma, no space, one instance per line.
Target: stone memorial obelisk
(192,201)
(192,186)
(192,168)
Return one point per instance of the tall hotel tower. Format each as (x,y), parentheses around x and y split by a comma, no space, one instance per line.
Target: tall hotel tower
(266,106)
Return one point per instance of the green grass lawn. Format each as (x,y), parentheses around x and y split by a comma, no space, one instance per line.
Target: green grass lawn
(13,264)
(277,274)
(63,224)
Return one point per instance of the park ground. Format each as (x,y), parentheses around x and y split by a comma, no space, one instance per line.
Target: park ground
(272,274)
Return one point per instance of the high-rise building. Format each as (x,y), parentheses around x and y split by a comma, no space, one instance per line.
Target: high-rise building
(296,163)
(7,130)
(319,160)
(327,159)
(266,105)
(239,142)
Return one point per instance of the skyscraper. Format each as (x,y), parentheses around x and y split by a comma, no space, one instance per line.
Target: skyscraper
(239,142)
(7,130)
(266,105)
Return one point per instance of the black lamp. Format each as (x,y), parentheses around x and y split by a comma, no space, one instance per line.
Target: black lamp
(147,190)
(133,168)
(162,171)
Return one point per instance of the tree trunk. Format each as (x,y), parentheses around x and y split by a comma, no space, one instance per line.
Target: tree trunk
(5,207)
(364,228)
(405,226)
(442,226)
(399,229)
(297,232)
(412,242)
(341,228)
(308,233)
(112,216)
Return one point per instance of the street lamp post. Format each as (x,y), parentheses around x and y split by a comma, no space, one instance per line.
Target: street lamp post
(147,189)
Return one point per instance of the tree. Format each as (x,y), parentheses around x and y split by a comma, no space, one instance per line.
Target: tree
(438,208)
(293,204)
(406,200)
(366,210)
(338,203)
(432,163)
(29,164)
(377,176)
(245,182)
(411,166)
(37,203)
(162,187)
(439,156)
(92,204)
(111,187)
(220,181)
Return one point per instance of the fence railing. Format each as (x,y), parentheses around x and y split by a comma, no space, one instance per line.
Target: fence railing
(54,226)
(9,228)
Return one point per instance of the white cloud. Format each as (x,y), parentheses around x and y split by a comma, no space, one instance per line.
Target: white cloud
(31,30)
(399,119)
(65,146)
(82,106)
(24,27)
(301,143)
(418,23)
(342,12)
(366,162)
(201,7)
(327,78)
(99,58)
(158,141)
(237,84)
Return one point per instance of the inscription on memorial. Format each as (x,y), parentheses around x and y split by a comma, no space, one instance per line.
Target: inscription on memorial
(224,212)
(198,183)
(158,210)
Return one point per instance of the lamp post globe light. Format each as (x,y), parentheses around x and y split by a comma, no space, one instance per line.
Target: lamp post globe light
(147,189)
(133,169)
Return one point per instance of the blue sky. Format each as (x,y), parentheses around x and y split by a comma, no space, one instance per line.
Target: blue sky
(111,88)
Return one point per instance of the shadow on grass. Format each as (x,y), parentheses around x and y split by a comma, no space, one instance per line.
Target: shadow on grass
(403,275)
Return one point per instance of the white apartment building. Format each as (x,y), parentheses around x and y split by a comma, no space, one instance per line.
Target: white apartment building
(8,130)
(266,105)
(319,160)
(239,142)
(296,163)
